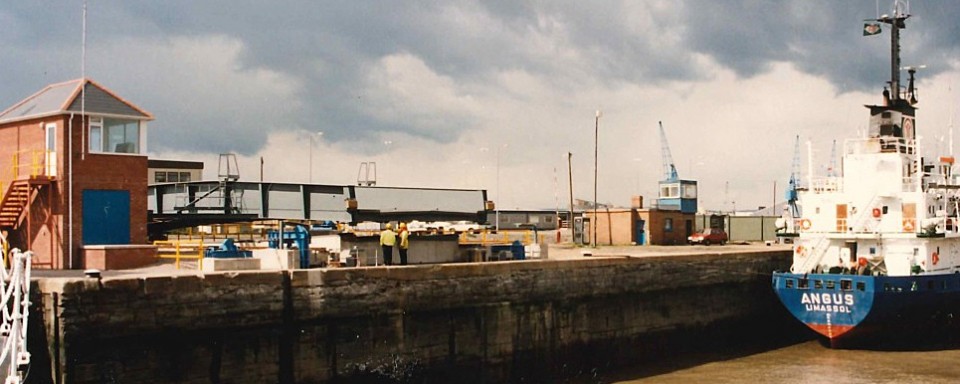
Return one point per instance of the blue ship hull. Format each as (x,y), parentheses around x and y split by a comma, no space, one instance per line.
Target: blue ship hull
(852,310)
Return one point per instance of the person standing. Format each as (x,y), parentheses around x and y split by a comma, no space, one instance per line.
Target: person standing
(388,238)
(404,243)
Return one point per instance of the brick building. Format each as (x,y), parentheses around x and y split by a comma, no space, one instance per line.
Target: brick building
(73,183)
(624,226)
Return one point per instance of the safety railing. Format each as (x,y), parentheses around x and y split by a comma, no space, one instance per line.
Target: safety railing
(31,163)
(500,238)
(215,233)
(880,144)
(178,250)
(826,184)
(27,163)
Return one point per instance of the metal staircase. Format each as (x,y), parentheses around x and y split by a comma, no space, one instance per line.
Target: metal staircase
(814,255)
(17,199)
(14,201)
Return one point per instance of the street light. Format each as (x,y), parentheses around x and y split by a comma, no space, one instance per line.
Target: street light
(318,136)
(596,151)
(497,204)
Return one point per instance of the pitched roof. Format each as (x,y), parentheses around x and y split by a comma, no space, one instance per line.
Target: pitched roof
(61,98)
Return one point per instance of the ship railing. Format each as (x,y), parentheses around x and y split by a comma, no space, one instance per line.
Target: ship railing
(909,184)
(879,145)
(939,225)
(825,184)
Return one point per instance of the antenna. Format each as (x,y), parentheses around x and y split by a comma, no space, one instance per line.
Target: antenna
(83,85)
(950,124)
(809,163)
(832,168)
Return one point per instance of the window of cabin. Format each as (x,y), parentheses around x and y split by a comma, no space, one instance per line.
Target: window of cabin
(96,134)
(122,135)
(689,192)
(160,177)
(184,177)
(114,135)
(670,191)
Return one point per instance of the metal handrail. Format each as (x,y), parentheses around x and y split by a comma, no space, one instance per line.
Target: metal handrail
(37,166)
(164,247)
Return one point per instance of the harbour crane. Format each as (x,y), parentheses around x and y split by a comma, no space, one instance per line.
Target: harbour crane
(794,183)
(669,169)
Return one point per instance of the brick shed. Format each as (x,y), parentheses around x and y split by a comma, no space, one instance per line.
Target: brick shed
(624,226)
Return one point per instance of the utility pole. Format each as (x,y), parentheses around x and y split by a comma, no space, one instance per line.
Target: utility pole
(570,178)
(596,151)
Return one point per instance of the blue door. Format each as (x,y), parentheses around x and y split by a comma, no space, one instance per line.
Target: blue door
(641,235)
(106,217)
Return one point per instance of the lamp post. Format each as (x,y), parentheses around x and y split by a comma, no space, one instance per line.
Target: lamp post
(497,204)
(596,152)
(318,136)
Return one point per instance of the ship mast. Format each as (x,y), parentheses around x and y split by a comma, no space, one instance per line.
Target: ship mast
(896,22)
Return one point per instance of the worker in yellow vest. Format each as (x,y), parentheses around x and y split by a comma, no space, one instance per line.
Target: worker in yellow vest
(404,243)
(388,238)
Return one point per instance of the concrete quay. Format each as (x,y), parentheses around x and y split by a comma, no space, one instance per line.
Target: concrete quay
(532,320)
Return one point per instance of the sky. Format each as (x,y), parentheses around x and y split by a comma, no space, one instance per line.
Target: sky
(494,94)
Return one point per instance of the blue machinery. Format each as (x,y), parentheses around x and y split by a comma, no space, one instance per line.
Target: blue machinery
(226,249)
(299,237)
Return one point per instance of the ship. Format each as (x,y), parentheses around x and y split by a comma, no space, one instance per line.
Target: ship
(876,249)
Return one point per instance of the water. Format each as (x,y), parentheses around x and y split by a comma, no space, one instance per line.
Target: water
(805,362)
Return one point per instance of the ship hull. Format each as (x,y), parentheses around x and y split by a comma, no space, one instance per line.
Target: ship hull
(850,311)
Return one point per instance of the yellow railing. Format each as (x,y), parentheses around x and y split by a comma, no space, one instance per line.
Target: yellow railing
(501,238)
(221,232)
(36,166)
(178,250)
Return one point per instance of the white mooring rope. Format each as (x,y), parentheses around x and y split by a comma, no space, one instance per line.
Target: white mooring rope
(14,307)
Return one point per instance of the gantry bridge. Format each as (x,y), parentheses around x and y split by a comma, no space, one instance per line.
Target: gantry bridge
(181,205)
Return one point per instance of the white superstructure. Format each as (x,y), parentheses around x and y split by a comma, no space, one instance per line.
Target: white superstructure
(892,212)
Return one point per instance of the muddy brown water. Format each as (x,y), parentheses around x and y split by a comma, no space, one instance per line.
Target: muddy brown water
(804,362)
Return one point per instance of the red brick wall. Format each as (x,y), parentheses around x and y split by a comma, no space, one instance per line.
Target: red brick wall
(42,231)
(45,235)
(119,257)
(109,172)
(656,222)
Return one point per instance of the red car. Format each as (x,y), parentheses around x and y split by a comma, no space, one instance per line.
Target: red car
(708,236)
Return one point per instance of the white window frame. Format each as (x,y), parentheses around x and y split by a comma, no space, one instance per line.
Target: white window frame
(95,124)
(50,148)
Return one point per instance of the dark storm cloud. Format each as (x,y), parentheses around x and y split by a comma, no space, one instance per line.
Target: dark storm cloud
(820,37)
(330,47)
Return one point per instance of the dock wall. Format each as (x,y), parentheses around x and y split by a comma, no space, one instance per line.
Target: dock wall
(479,322)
